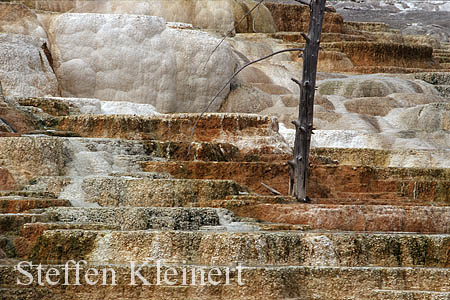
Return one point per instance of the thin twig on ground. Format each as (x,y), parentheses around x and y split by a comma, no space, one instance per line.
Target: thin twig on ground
(272,190)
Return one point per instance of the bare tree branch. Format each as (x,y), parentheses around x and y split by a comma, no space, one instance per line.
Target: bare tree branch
(226,84)
(272,190)
(306,37)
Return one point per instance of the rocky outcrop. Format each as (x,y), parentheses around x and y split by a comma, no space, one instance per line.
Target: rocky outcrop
(388,54)
(428,118)
(17,18)
(202,14)
(437,78)
(389,226)
(219,15)
(260,20)
(351,103)
(14,120)
(295,17)
(410,17)
(350,110)
(381,106)
(24,67)
(246,99)
(139,59)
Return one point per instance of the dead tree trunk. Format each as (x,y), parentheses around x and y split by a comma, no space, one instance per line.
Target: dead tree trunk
(304,124)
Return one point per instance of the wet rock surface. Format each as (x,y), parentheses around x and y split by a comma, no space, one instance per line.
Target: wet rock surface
(352,230)
(101,175)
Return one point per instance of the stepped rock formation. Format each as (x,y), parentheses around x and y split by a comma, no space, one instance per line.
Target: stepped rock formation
(380,226)
(411,17)
(295,18)
(93,168)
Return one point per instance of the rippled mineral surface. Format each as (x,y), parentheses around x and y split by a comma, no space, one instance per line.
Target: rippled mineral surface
(107,191)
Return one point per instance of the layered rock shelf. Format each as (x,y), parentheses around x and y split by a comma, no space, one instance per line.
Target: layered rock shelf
(103,175)
(365,218)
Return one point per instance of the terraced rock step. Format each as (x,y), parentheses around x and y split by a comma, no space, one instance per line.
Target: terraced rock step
(370,201)
(54,133)
(250,174)
(23,230)
(142,218)
(144,192)
(40,226)
(285,283)
(13,223)
(444,90)
(332,181)
(26,204)
(28,194)
(380,158)
(296,37)
(389,187)
(437,51)
(421,185)
(175,127)
(25,240)
(394,69)
(373,229)
(344,51)
(442,58)
(387,173)
(371,195)
(206,151)
(386,54)
(426,219)
(290,248)
(232,202)
(367,26)
(436,78)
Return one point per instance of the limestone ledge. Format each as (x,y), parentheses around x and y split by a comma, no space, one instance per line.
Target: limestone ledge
(203,247)
(262,281)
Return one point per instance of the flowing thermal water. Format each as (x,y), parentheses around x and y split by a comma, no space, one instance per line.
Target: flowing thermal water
(97,157)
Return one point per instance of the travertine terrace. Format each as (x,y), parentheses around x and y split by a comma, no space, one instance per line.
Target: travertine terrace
(97,105)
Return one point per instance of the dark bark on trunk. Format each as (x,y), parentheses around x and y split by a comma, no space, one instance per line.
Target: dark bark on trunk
(304,124)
